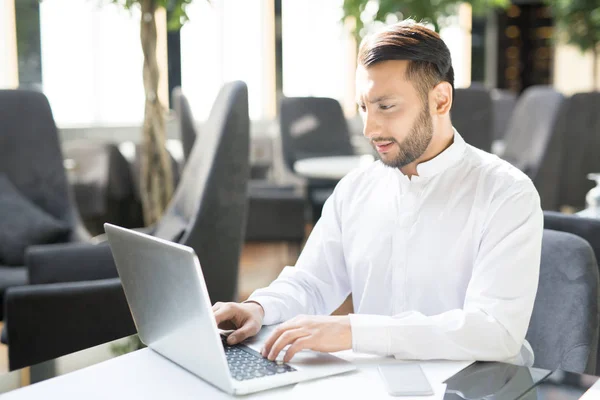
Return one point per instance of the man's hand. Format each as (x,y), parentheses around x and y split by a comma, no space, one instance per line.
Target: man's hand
(245,318)
(319,333)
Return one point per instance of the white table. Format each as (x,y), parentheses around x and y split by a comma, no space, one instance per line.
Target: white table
(334,167)
(144,374)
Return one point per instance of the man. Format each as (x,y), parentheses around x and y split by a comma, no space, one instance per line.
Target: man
(439,243)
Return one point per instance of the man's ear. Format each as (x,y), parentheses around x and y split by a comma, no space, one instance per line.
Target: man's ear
(441,98)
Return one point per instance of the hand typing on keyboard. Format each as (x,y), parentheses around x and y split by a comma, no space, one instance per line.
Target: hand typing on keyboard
(245,363)
(244,318)
(319,333)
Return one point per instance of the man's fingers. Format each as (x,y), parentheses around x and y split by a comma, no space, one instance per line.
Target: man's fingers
(286,326)
(283,340)
(271,339)
(300,344)
(225,313)
(216,306)
(250,328)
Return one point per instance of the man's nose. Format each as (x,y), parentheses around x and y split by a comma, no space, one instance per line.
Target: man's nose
(371,127)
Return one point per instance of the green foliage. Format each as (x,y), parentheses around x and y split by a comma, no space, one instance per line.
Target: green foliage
(176,9)
(579,20)
(428,11)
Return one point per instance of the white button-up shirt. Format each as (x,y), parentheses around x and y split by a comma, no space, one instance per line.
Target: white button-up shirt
(444,265)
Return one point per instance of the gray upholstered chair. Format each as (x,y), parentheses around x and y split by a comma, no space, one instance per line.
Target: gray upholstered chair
(313,127)
(570,154)
(31,162)
(102,184)
(52,320)
(580,130)
(185,120)
(531,143)
(563,331)
(586,228)
(275,212)
(472,116)
(531,126)
(207,213)
(503,105)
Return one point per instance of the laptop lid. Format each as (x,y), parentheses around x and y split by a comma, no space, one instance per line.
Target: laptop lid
(169,302)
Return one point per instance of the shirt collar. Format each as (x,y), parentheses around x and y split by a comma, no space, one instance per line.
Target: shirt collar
(443,161)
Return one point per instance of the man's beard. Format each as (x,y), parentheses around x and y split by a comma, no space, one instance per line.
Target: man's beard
(415,143)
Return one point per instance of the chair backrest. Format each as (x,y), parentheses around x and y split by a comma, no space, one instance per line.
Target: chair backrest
(312,127)
(472,116)
(548,174)
(586,228)
(580,129)
(185,118)
(503,105)
(563,331)
(531,126)
(30,153)
(208,210)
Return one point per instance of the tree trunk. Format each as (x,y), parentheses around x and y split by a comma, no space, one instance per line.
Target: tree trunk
(156,181)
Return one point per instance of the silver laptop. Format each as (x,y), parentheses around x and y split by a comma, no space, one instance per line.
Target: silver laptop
(169,302)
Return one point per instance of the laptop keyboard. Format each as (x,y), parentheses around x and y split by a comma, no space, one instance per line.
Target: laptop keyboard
(245,363)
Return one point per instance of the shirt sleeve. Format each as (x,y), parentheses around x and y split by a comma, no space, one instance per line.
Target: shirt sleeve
(499,300)
(319,283)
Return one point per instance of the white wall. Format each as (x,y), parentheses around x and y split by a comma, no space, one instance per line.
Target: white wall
(573,70)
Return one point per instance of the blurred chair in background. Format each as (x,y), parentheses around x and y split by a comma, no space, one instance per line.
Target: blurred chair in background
(313,127)
(531,143)
(531,126)
(207,213)
(275,212)
(52,320)
(131,152)
(178,151)
(472,116)
(102,184)
(36,203)
(580,129)
(503,105)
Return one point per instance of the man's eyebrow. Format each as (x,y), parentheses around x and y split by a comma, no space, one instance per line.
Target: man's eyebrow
(380,98)
(376,99)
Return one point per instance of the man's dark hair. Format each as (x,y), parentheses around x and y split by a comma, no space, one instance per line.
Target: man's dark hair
(428,56)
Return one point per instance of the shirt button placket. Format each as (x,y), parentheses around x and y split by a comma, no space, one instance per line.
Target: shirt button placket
(400,250)
(409,218)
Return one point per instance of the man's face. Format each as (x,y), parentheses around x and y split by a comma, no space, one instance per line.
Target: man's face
(396,120)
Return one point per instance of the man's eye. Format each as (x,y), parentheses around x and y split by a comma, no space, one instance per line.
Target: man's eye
(362,107)
(384,107)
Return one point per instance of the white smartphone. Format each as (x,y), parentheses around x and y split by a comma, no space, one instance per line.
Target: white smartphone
(405,380)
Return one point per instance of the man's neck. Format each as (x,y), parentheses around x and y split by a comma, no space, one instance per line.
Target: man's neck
(440,141)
